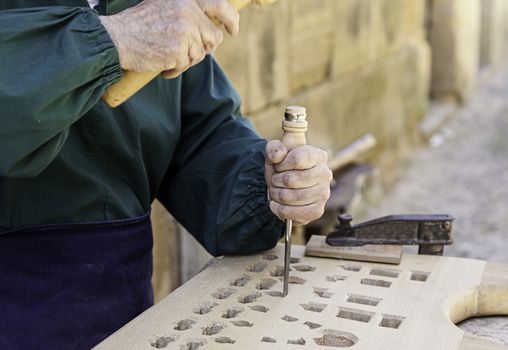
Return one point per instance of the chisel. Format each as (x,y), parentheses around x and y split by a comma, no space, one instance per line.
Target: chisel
(133,81)
(294,126)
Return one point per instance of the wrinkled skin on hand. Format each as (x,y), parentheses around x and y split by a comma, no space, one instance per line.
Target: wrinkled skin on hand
(298,181)
(169,36)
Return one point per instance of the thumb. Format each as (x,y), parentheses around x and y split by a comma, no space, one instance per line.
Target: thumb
(275,152)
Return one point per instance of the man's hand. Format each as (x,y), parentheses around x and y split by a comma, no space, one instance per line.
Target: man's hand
(169,36)
(298,182)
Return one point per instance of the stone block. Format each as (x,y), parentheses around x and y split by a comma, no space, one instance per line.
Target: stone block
(454,37)
(166,253)
(266,68)
(353,29)
(367,30)
(493,46)
(387,98)
(310,41)
(256,60)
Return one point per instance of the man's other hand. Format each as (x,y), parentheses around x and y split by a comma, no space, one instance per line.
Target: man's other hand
(169,36)
(298,181)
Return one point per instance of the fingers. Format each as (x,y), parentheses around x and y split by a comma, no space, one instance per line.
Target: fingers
(223,13)
(304,157)
(296,179)
(303,196)
(211,36)
(169,36)
(302,214)
(275,152)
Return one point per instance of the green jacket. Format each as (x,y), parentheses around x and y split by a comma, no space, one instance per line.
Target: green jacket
(65,156)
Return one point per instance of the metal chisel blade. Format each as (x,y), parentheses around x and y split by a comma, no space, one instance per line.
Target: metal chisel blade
(287,255)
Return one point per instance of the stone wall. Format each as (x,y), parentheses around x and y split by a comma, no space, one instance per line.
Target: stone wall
(358,66)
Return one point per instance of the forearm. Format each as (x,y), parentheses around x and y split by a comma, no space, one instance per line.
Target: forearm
(56,63)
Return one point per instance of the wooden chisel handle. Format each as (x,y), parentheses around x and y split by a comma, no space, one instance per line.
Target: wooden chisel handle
(294,126)
(132,81)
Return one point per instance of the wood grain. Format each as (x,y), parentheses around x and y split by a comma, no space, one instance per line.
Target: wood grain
(390,254)
(359,305)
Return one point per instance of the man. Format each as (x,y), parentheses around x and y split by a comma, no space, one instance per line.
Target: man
(77,178)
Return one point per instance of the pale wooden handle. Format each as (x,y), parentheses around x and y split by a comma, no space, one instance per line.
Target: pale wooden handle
(132,82)
(294,134)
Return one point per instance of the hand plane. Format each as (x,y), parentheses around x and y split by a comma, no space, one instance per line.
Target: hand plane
(381,240)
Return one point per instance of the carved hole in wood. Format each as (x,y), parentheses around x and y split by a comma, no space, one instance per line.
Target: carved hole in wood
(193,345)
(337,339)
(213,329)
(295,280)
(270,257)
(268,340)
(304,268)
(312,325)
(184,324)
(355,315)
(377,283)
(278,271)
(223,293)
(289,318)
(391,321)
(299,341)
(259,308)
(322,292)
(354,268)
(225,340)
(336,278)
(248,298)
(204,308)
(274,294)
(240,281)
(385,272)
(265,283)
(256,267)
(364,300)
(161,342)
(293,260)
(419,276)
(315,307)
(242,323)
(232,312)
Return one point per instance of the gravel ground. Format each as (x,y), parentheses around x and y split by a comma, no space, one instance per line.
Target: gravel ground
(464,172)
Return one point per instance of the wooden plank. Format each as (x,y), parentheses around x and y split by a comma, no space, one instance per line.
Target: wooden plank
(389,254)
(235,303)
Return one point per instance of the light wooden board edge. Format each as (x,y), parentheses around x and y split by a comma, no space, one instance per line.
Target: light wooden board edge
(389,254)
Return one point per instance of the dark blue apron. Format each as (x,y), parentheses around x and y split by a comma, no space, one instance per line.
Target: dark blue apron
(70,286)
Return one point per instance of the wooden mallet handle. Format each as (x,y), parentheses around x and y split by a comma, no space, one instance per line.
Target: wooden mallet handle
(132,81)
